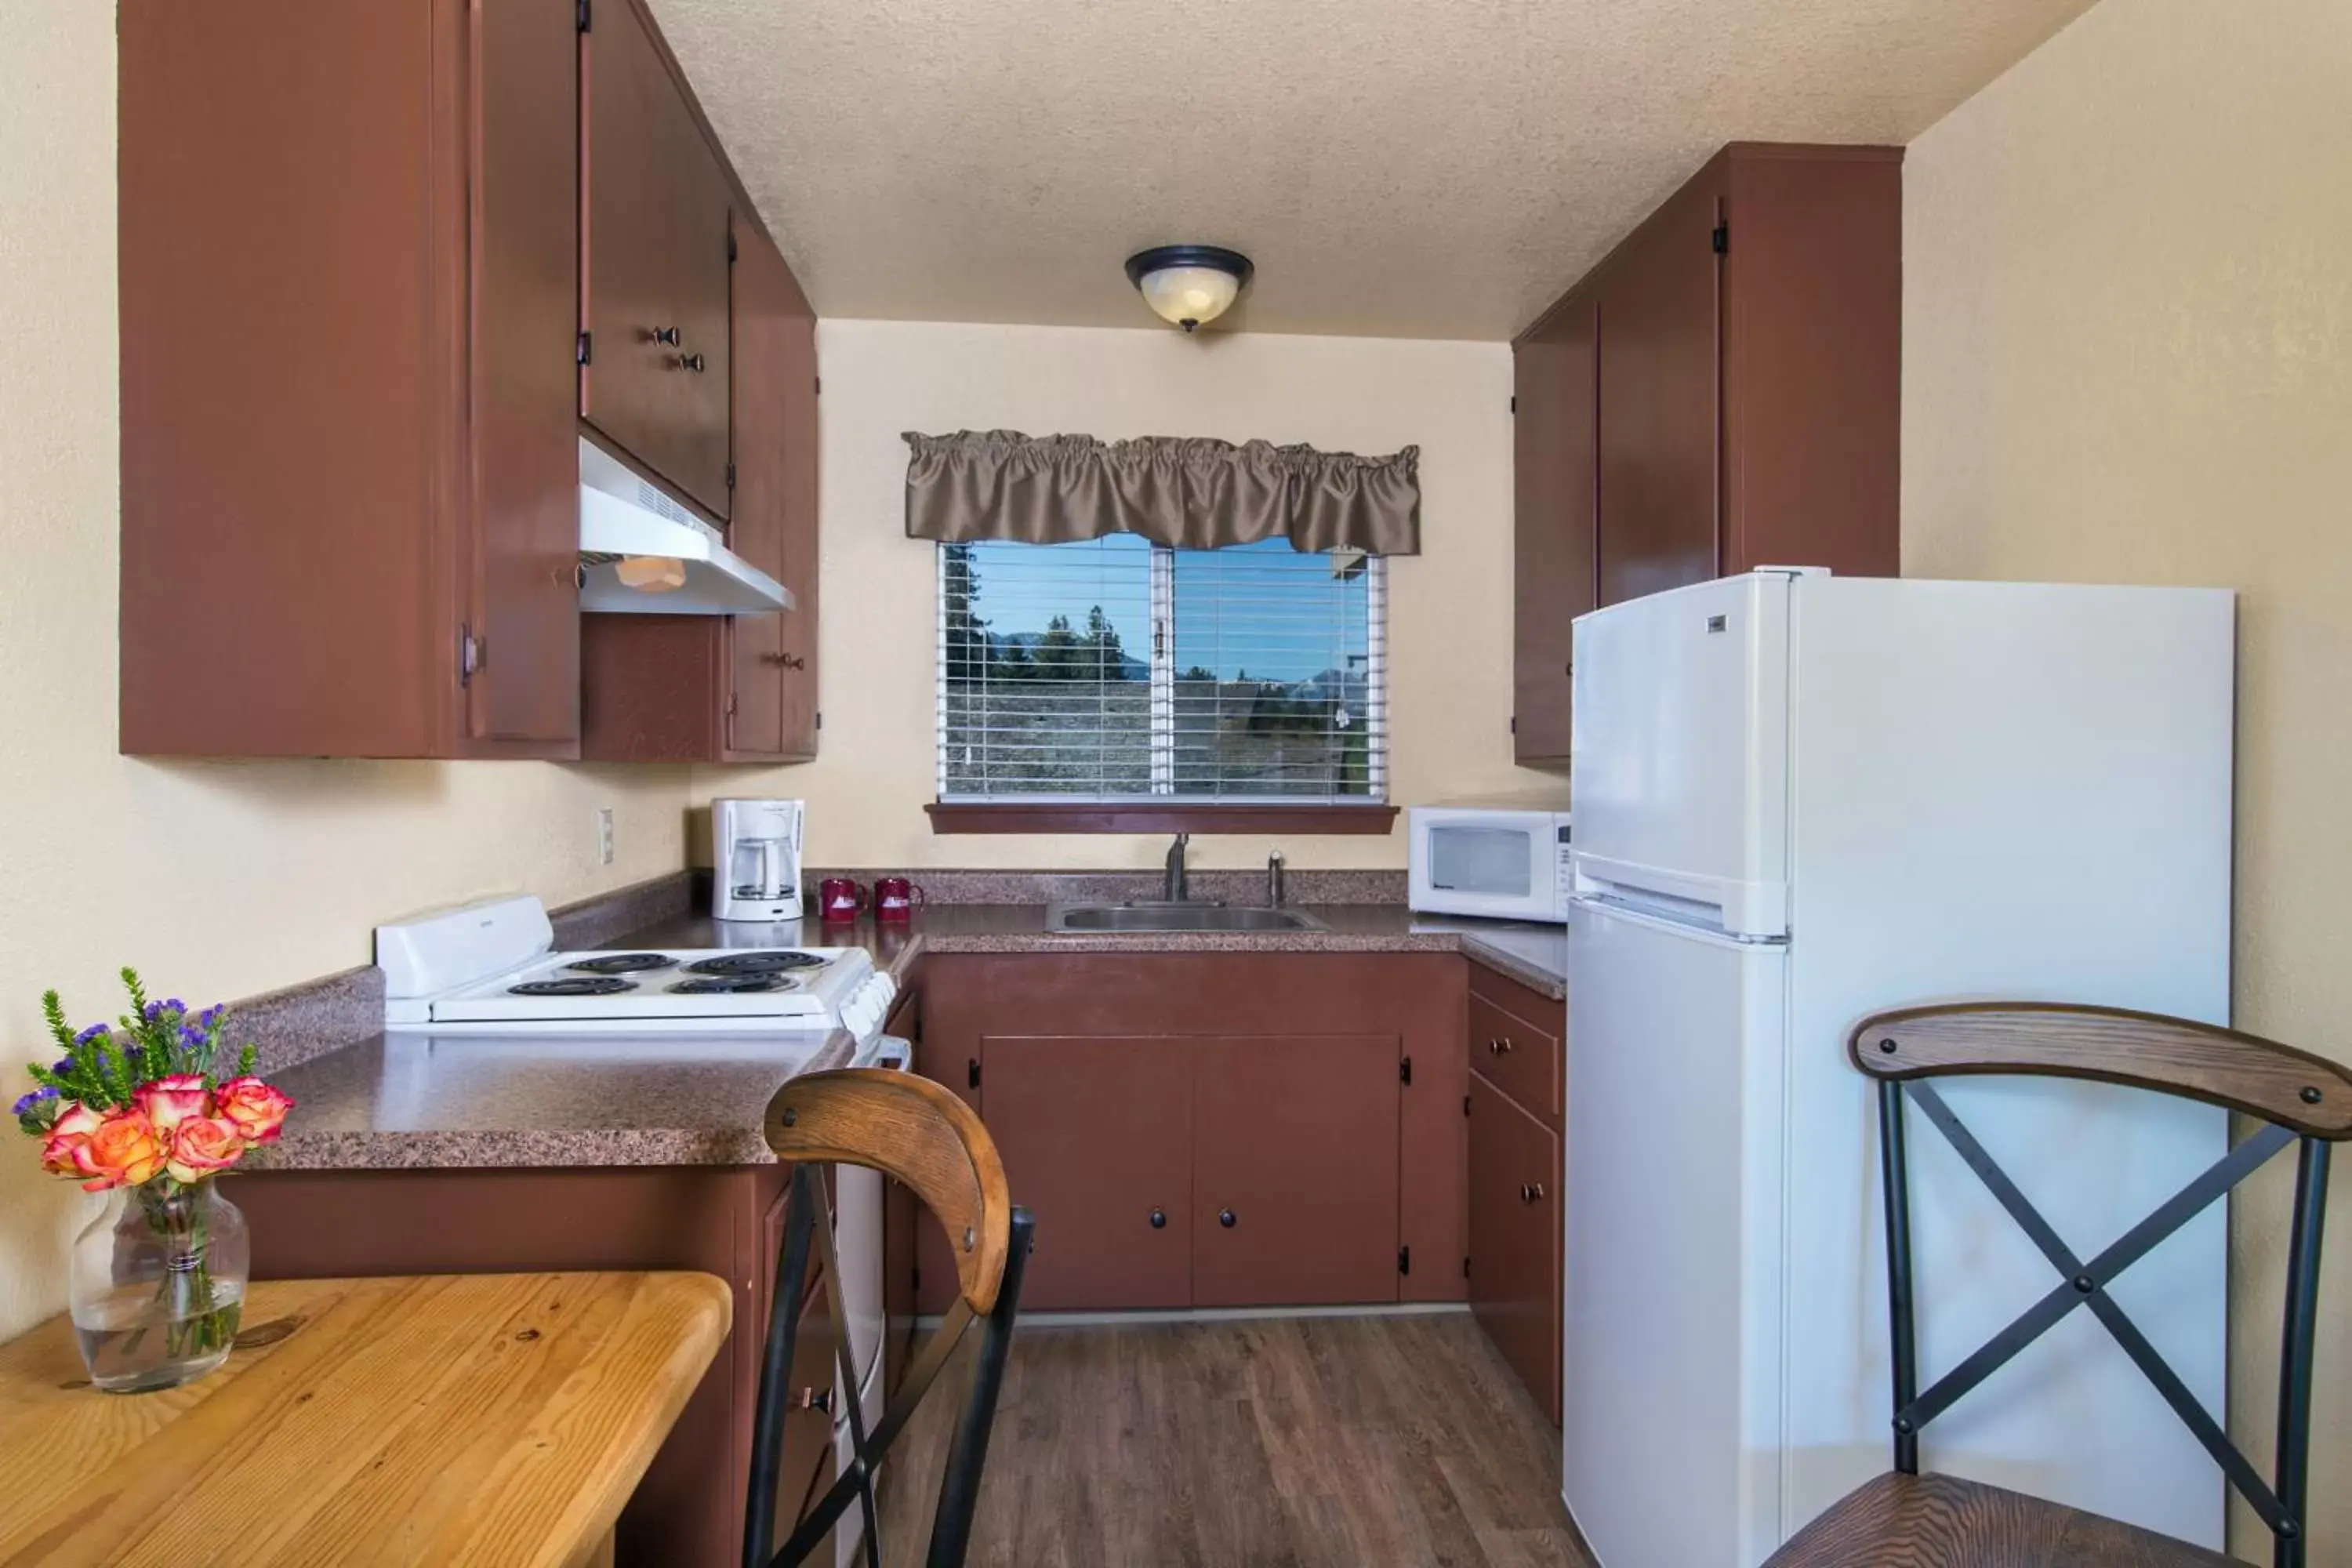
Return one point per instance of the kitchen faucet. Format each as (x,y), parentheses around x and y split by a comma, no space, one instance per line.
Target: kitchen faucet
(1172,889)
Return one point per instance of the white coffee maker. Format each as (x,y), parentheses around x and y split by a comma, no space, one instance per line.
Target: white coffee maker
(756,849)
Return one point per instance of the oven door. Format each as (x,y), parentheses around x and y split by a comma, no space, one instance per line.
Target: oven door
(1504,865)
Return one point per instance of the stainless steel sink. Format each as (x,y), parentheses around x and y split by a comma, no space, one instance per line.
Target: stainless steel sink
(1075,919)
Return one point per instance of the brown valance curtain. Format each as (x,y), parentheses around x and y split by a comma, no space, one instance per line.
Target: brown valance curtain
(1189,492)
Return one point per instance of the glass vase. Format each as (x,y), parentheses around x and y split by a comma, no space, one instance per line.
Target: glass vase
(158,1285)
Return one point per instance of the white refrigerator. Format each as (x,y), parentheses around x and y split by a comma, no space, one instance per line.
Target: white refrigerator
(1801,799)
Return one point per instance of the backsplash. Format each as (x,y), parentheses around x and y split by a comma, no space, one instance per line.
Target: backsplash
(1301,886)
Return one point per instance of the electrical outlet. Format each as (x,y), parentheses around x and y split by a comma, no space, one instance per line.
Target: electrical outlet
(603,836)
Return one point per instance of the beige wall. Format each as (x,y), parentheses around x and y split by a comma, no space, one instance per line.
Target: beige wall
(1449,608)
(217,879)
(2128,337)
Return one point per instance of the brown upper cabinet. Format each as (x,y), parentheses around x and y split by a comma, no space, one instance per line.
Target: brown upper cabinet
(349,485)
(1744,402)
(735,689)
(353,325)
(655,262)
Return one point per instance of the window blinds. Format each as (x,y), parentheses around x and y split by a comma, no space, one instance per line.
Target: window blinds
(1114,669)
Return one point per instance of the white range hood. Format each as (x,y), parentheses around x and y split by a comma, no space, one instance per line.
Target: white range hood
(632,532)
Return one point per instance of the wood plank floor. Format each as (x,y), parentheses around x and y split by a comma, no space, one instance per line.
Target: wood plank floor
(1272,1442)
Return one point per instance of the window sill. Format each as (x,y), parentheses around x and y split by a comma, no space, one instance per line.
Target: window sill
(1099,816)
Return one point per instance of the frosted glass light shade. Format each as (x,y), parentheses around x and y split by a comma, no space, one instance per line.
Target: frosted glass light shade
(1189,295)
(1189,284)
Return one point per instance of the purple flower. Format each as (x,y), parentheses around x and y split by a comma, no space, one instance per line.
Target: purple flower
(24,1106)
(191,1036)
(154,1011)
(93,1033)
(62,1065)
(174,1005)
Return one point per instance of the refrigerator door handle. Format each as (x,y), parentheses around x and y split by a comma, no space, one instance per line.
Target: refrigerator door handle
(1751,909)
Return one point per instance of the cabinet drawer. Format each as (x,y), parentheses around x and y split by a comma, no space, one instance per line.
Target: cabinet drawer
(1514,1237)
(1519,1057)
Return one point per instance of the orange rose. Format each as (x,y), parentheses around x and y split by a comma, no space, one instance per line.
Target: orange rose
(66,1134)
(201,1145)
(256,1110)
(124,1152)
(168,1101)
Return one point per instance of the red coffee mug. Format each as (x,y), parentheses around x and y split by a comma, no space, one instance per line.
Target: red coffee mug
(839,898)
(895,899)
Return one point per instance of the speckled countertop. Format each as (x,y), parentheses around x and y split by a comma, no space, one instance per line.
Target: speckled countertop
(418,1100)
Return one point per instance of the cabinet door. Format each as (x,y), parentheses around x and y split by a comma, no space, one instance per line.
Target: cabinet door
(1096,1138)
(764,296)
(524,267)
(1555,462)
(798,642)
(812,1390)
(1660,402)
(774,657)
(1514,1237)
(655,261)
(1295,1184)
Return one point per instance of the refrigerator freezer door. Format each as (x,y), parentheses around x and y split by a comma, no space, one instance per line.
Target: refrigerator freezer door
(1671,1381)
(1680,749)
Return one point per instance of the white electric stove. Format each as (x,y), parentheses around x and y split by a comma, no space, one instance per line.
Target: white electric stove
(494,967)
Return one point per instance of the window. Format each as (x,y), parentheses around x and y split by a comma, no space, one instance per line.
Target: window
(1114,670)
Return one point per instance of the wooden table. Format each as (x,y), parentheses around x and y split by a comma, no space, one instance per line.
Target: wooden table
(425,1419)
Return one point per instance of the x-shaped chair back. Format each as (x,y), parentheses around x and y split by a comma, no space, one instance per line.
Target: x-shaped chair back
(916,1133)
(2300,1099)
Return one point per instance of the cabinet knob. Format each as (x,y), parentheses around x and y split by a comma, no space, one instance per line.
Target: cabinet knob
(813,1399)
(1225,1218)
(1501,1047)
(1160,1219)
(789,660)
(667,335)
(691,362)
(1531,1192)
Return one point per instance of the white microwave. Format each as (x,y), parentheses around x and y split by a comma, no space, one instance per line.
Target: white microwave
(1502,859)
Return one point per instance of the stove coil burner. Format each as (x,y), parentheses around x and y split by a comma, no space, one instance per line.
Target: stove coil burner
(741,963)
(580,985)
(621,963)
(733,986)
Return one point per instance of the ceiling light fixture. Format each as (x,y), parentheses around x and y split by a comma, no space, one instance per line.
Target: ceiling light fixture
(1189,284)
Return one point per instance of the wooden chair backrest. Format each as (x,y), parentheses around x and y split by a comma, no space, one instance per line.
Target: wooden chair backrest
(2304,1093)
(910,1128)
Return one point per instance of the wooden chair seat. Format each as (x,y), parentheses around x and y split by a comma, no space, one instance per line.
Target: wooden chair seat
(1897,1521)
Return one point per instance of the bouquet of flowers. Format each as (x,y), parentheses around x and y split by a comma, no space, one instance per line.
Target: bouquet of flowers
(141,1100)
(142,1105)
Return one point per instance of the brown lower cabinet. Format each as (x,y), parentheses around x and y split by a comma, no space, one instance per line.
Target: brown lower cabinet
(1517,1168)
(722,1220)
(1213,1129)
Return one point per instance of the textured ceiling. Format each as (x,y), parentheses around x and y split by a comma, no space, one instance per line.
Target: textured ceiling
(1408,168)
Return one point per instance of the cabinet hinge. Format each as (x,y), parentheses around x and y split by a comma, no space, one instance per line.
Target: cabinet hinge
(819,384)
(820,718)
(1404,1070)
(1514,402)
(1404,1259)
(473,652)
(1465,1105)
(730,246)
(1465,1267)
(1722,240)
(972,1072)
(730,705)
(916,1281)
(1515,723)
(730,476)
(580,14)
(580,349)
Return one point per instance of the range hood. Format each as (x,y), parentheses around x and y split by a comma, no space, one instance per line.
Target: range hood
(642,552)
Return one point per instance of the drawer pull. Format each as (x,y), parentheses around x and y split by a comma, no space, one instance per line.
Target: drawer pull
(1160,1219)
(1531,1192)
(1225,1218)
(667,335)
(813,1399)
(1501,1047)
(693,362)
